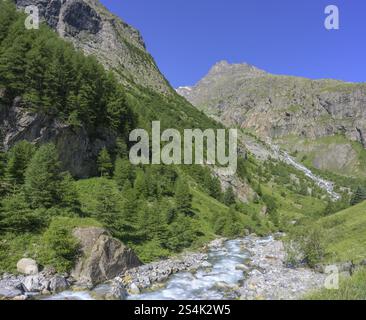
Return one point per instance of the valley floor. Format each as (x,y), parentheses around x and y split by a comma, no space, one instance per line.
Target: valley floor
(270,279)
(249,268)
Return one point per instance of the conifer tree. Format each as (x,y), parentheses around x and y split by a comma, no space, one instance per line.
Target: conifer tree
(359,196)
(141,185)
(107,208)
(19,157)
(42,178)
(104,163)
(16,216)
(123,172)
(183,197)
(68,194)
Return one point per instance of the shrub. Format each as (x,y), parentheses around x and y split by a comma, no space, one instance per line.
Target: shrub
(60,248)
(305,245)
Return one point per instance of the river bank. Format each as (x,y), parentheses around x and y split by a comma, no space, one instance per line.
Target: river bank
(270,279)
(249,268)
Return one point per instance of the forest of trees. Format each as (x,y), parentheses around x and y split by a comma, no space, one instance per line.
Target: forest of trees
(53,78)
(147,207)
(154,209)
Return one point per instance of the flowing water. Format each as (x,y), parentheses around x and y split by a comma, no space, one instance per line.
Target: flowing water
(322,183)
(209,283)
(206,284)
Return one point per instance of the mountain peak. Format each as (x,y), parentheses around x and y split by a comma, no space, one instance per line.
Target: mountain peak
(223,67)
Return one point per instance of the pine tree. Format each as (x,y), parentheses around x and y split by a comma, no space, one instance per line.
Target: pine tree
(229,196)
(7,17)
(16,215)
(68,194)
(359,196)
(104,163)
(182,233)
(121,148)
(123,172)
(107,208)
(183,197)
(12,71)
(42,178)
(141,185)
(19,157)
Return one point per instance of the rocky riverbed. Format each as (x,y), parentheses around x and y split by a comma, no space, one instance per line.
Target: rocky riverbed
(249,268)
(270,279)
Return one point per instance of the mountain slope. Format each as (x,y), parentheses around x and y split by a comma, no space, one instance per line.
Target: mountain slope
(92,28)
(119,47)
(289,110)
(345,234)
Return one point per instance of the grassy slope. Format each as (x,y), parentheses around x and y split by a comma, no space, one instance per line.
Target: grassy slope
(205,207)
(346,234)
(309,149)
(293,206)
(353,288)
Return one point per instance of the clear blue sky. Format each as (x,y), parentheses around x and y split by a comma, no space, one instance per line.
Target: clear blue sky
(186,37)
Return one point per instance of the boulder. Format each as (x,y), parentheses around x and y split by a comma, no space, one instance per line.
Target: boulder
(134,289)
(11,286)
(27,266)
(58,284)
(9,293)
(110,291)
(102,257)
(35,283)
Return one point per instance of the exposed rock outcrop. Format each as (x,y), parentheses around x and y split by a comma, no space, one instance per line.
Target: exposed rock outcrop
(276,106)
(24,287)
(103,257)
(288,110)
(77,149)
(93,29)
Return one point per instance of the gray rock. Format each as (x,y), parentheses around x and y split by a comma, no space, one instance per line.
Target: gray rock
(271,279)
(276,107)
(77,149)
(149,275)
(346,267)
(58,284)
(10,293)
(35,283)
(110,291)
(27,266)
(134,289)
(103,257)
(96,31)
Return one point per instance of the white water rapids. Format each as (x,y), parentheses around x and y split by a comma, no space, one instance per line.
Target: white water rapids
(215,282)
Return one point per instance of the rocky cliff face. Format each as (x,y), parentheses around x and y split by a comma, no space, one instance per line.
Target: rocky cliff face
(77,149)
(93,29)
(276,106)
(119,47)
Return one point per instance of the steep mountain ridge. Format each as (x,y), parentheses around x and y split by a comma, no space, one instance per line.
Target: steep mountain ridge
(118,47)
(282,107)
(96,31)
